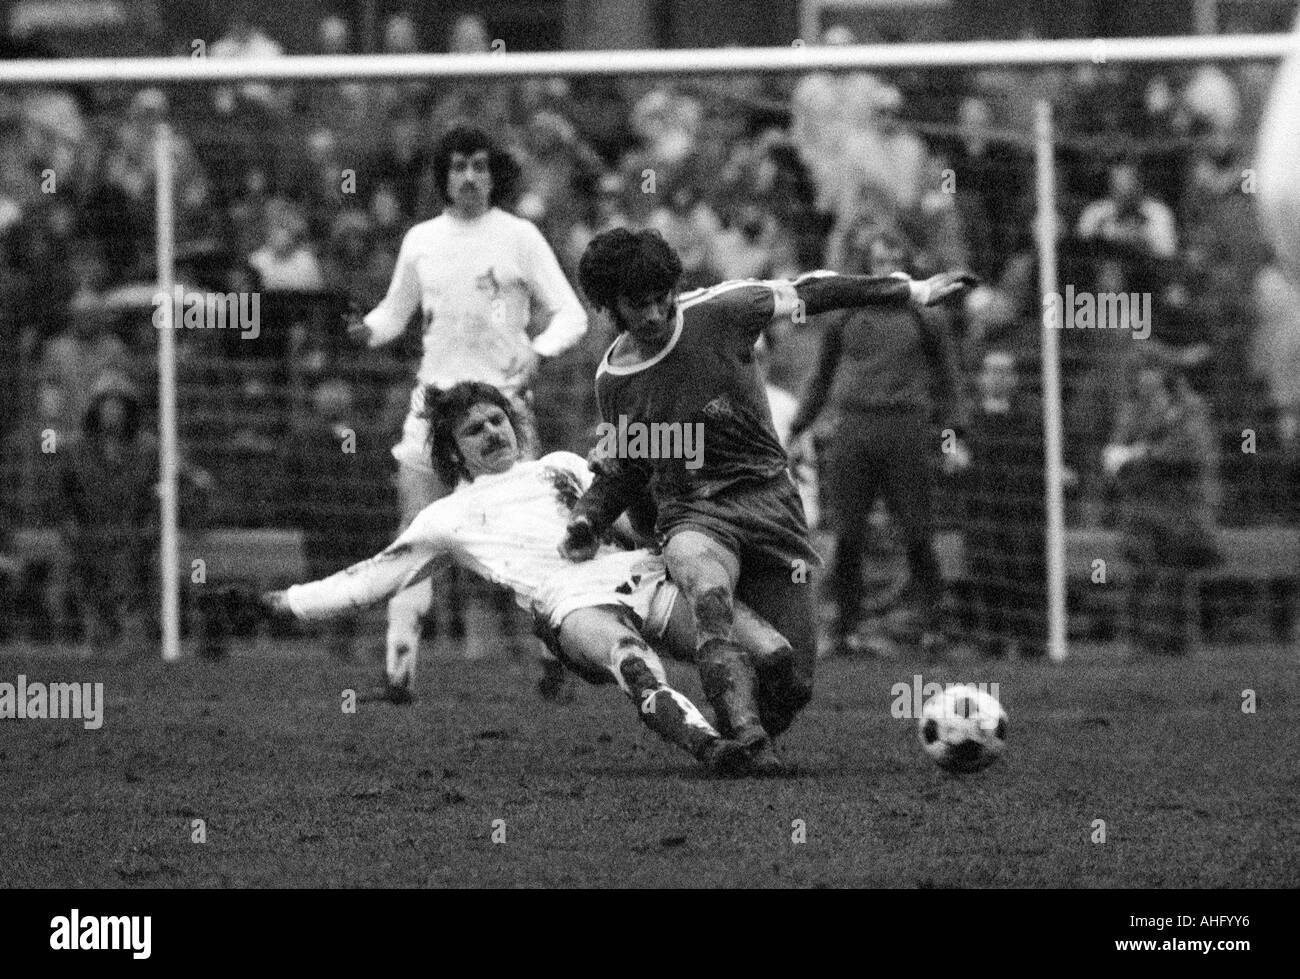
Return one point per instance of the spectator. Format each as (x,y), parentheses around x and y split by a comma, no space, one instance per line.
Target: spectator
(1005,527)
(689,225)
(1163,459)
(345,109)
(121,208)
(244,41)
(1215,212)
(75,360)
(400,160)
(1128,217)
(875,372)
(992,176)
(480,102)
(942,223)
(401,36)
(825,110)
(31,457)
(321,182)
(879,151)
(1211,100)
(752,247)
(286,262)
(354,266)
(248,455)
(605,212)
(333,36)
(108,503)
(390,224)
(667,126)
(558,169)
(247,213)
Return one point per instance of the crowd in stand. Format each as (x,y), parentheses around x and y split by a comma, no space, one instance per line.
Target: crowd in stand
(304,193)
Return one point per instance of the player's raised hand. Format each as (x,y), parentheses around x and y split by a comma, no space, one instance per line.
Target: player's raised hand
(358,332)
(945,285)
(580,541)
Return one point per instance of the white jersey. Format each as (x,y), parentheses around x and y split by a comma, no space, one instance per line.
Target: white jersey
(506,528)
(478,285)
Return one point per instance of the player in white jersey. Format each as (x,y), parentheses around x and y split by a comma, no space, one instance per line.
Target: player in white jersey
(502,521)
(478,276)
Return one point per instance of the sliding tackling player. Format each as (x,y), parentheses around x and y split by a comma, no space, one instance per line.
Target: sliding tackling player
(502,521)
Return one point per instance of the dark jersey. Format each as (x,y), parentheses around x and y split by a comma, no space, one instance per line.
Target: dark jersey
(699,406)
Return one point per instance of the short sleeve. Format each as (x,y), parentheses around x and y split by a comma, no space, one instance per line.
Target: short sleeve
(738,310)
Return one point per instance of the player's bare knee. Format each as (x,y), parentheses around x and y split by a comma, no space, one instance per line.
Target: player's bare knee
(636,665)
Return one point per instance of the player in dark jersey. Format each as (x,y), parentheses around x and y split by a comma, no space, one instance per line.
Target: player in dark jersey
(684,411)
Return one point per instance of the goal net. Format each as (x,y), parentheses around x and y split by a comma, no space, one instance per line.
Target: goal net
(1177,334)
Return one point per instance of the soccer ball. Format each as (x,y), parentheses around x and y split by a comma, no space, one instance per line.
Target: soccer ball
(963,728)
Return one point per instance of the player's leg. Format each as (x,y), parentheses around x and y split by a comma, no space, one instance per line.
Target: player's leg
(777,606)
(854,475)
(769,651)
(602,645)
(907,486)
(706,571)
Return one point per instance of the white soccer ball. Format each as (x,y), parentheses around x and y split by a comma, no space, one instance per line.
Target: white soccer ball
(963,728)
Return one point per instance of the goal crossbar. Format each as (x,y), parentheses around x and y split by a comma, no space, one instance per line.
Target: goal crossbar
(796,58)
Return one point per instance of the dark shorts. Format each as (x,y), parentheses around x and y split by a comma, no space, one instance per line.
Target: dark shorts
(762,523)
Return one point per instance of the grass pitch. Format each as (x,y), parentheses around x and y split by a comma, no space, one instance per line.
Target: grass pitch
(481,783)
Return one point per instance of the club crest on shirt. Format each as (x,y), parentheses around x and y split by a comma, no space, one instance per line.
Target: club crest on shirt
(488,282)
(719,408)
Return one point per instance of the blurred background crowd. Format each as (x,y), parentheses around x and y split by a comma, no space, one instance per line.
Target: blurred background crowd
(302,194)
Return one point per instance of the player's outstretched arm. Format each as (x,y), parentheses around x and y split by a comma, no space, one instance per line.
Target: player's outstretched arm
(420,551)
(825,293)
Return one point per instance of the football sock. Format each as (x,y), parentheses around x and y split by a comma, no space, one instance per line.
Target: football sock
(665,711)
(729,682)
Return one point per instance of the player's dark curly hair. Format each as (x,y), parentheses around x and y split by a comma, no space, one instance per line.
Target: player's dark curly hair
(469,140)
(443,410)
(620,262)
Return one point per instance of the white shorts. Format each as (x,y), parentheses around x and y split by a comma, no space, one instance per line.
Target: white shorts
(646,592)
(413,449)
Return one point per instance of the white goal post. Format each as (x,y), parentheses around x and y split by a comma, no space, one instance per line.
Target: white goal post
(797,58)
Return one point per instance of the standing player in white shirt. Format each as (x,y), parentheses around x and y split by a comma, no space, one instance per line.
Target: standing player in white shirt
(479,276)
